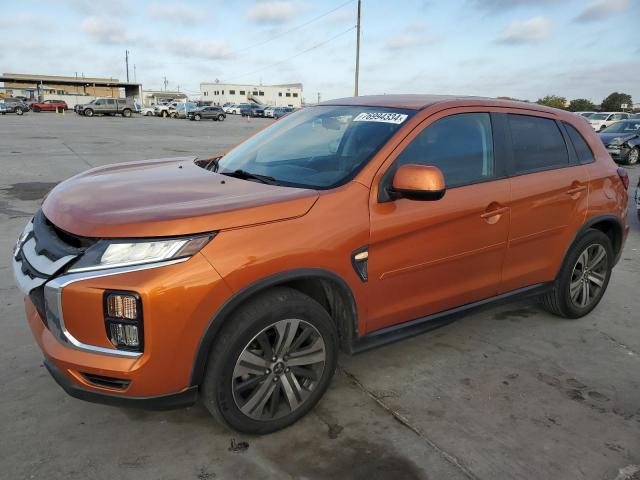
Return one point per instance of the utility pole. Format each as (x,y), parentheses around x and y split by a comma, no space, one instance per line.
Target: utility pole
(165,83)
(357,50)
(318,97)
(126,61)
(135,77)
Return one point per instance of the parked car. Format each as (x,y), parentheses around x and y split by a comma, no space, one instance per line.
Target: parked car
(251,110)
(603,119)
(622,140)
(148,111)
(634,115)
(230,108)
(3,107)
(15,105)
(106,106)
(281,111)
(49,106)
(182,109)
(585,114)
(239,278)
(638,199)
(207,113)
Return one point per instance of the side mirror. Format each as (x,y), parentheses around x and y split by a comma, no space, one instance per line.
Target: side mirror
(418,182)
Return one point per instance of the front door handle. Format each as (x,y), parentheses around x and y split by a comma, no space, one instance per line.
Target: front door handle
(492,216)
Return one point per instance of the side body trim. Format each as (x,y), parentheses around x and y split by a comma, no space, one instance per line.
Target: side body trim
(421,325)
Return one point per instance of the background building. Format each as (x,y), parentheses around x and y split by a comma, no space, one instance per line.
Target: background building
(151,97)
(289,94)
(72,90)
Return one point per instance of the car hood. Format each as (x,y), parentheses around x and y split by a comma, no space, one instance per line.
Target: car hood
(607,138)
(167,197)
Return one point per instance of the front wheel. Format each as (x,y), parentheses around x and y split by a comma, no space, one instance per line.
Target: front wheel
(221,118)
(19,111)
(272,362)
(197,117)
(126,113)
(88,112)
(633,156)
(583,277)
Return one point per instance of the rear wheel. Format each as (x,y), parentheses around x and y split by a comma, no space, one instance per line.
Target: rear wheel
(583,278)
(149,114)
(272,363)
(633,156)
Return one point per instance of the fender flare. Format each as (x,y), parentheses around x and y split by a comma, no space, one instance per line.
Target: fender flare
(619,232)
(224,312)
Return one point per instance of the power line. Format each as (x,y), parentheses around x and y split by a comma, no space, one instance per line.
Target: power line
(296,55)
(281,34)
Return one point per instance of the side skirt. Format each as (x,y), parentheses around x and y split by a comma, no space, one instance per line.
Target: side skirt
(431,322)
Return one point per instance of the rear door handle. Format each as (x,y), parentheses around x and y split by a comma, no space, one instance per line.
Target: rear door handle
(576,190)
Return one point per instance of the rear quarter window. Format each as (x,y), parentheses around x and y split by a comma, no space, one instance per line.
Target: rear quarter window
(537,144)
(583,151)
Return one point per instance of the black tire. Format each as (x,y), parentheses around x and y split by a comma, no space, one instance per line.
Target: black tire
(221,118)
(149,114)
(258,314)
(633,156)
(558,300)
(36,109)
(88,112)
(19,111)
(197,117)
(126,113)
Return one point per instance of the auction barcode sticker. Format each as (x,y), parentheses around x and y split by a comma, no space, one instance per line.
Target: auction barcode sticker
(384,117)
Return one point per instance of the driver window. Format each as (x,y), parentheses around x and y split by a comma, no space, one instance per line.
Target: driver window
(461,146)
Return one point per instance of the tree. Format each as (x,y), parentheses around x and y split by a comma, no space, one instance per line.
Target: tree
(553,101)
(612,102)
(581,105)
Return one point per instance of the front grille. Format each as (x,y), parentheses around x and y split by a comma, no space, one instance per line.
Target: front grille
(42,252)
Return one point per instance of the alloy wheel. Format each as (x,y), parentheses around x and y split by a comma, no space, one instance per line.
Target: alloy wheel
(588,276)
(634,154)
(278,369)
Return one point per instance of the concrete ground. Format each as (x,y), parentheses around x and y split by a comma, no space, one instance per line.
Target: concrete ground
(512,392)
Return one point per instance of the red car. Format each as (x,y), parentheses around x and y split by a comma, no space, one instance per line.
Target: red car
(49,106)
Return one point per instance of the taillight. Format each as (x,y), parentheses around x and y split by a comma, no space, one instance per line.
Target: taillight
(622,173)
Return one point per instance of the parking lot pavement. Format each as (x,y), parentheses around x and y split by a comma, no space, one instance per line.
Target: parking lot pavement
(511,392)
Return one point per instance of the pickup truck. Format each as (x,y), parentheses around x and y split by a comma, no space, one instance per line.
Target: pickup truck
(106,106)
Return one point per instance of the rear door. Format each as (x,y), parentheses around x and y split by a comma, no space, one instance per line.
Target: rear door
(549,191)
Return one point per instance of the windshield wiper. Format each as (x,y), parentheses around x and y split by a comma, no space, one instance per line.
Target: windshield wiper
(251,176)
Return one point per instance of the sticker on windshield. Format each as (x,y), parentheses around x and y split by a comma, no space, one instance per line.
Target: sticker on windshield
(385,117)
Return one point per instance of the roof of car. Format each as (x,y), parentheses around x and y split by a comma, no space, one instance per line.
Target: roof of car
(420,102)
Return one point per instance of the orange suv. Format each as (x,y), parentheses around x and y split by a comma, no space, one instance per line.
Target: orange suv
(343,226)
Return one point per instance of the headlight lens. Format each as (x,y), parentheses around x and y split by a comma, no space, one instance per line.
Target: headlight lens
(122,253)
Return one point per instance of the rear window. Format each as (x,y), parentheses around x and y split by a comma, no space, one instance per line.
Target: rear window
(537,144)
(585,155)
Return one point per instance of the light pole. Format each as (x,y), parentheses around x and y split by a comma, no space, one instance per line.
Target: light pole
(357,49)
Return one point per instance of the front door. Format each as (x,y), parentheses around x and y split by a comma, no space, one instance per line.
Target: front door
(429,256)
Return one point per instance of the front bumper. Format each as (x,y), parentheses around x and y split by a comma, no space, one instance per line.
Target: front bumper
(185,398)
(178,301)
(618,153)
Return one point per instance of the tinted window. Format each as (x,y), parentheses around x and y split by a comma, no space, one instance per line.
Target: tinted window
(460,145)
(585,155)
(537,143)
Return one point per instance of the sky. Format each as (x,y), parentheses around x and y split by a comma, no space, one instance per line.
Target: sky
(523,49)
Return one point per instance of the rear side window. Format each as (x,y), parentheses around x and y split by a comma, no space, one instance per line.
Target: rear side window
(537,144)
(585,155)
(461,146)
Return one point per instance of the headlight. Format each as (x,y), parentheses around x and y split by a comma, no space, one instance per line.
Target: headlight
(122,253)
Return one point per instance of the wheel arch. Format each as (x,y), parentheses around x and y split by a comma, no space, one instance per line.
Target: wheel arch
(327,288)
(610,225)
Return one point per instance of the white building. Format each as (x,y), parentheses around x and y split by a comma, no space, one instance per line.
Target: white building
(289,94)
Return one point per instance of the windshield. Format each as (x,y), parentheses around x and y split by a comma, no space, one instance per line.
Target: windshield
(316,147)
(599,116)
(623,127)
